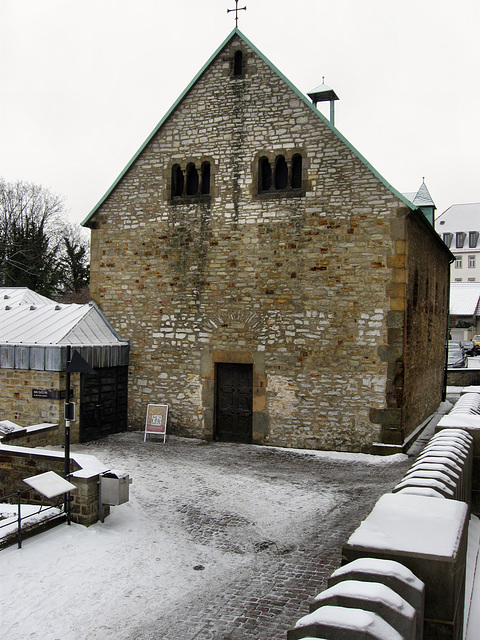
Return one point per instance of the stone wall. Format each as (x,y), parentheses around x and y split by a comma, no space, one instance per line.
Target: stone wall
(426,324)
(18,405)
(17,463)
(43,435)
(417,325)
(301,284)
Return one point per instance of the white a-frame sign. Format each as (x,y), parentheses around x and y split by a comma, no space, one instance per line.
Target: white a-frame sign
(156,421)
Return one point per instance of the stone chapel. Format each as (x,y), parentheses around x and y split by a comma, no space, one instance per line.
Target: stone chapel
(275,289)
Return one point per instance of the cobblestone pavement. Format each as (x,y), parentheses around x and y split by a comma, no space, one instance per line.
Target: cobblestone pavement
(283,555)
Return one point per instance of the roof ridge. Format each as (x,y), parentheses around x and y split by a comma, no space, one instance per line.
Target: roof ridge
(236,32)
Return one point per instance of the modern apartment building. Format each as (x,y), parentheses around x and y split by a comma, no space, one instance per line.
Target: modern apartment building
(459,227)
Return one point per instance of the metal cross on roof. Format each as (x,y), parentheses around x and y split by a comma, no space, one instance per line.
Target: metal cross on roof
(237,9)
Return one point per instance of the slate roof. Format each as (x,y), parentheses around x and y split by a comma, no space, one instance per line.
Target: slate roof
(420,198)
(30,319)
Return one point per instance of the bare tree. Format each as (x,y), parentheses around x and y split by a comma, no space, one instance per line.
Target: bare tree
(38,249)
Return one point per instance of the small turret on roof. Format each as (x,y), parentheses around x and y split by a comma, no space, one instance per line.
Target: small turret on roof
(423,200)
(324,93)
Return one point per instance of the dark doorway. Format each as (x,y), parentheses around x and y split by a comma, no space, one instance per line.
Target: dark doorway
(103,402)
(234,402)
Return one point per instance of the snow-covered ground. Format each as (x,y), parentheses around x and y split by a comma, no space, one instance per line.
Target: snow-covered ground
(198,515)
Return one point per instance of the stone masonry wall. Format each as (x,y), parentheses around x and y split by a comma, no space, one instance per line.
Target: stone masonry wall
(17,464)
(426,326)
(296,284)
(17,404)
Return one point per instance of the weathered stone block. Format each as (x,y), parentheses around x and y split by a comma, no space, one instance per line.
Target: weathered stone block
(429,536)
(390,573)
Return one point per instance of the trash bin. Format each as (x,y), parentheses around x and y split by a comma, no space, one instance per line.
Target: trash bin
(114,487)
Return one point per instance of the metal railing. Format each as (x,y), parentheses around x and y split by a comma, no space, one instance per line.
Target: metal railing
(15,498)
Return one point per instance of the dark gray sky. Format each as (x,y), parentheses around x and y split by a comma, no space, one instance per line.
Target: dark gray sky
(83,83)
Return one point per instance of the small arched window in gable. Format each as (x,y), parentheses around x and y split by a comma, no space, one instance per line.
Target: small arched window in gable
(238,63)
(281,173)
(264,174)
(205,187)
(297,171)
(177,181)
(192,180)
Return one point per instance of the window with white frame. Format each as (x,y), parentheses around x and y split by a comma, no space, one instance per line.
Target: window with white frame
(471,280)
(471,262)
(458,279)
(458,262)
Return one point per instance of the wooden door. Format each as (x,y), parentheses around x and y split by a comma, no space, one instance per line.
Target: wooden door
(103,402)
(234,403)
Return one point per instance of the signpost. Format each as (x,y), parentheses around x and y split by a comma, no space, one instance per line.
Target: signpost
(156,421)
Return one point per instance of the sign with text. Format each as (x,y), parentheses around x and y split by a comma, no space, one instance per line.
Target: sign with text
(50,394)
(156,421)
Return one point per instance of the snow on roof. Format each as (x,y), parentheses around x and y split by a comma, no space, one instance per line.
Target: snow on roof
(420,198)
(459,217)
(464,298)
(36,320)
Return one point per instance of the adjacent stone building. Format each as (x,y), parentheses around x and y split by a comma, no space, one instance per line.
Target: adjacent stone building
(274,287)
(38,337)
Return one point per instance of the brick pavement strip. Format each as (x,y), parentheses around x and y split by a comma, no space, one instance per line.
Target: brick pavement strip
(277,579)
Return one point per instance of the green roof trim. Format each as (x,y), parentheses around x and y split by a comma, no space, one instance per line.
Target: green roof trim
(302,96)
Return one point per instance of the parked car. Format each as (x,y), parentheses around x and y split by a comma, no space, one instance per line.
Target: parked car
(476,342)
(468,347)
(456,357)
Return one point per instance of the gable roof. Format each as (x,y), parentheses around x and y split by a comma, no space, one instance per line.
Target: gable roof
(36,320)
(464,298)
(460,217)
(14,296)
(303,97)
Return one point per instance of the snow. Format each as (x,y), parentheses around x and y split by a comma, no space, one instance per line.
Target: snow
(49,484)
(394,523)
(123,558)
(421,491)
(351,619)
(111,579)
(443,451)
(470,420)
(372,591)
(429,483)
(31,514)
(440,460)
(432,473)
(138,565)
(381,567)
(7,426)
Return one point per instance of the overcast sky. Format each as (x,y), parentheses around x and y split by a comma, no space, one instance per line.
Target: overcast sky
(83,83)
